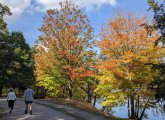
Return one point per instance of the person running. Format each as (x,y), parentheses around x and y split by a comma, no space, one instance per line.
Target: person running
(28,94)
(11,98)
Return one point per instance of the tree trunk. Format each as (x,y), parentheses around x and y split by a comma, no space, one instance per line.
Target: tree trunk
(132,108)
(89,94)
(128,107)
(103,108)
(1,87)
(64,91)
(2,79)
(137,112)
(70,90)
(37,92)
(142,114)
(94,101)
(69,87)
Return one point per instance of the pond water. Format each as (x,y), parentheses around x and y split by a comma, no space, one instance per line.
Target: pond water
(151,113)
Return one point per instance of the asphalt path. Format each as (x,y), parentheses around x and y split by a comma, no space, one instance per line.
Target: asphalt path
(43,110)
(40,112)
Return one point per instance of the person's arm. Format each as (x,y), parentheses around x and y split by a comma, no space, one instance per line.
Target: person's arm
(32,94)
(15,96)
(24,94)
(7,97)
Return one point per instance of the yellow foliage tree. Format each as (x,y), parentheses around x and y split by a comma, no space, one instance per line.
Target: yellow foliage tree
(127,56)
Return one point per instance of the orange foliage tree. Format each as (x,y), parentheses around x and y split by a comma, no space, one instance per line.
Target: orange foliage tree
(64,52)
(125,68)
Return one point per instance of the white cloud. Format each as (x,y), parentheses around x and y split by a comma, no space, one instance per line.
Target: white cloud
(17,7)
(94,3)
(47,4)
(88,4)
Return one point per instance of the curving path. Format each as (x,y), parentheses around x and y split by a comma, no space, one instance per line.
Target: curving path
(47,111)
(39,112)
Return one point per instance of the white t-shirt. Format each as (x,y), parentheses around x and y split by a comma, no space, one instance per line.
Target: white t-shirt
(11,96)
(28,94)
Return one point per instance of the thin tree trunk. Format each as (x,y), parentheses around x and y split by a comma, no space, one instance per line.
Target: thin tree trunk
(1,87)
(136,107)
(128,103)
(1,84)
(103,108)
(137,112)
(37,92)
(87,91)
(142,114)
(94,101)
(132,108)
(89,94)
(3,78)
(69,87)
(70,90)
(63,92)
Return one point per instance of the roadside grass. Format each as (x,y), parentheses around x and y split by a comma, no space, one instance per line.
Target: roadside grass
(83,105)
(1,114)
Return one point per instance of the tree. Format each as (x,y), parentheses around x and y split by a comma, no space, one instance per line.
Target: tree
(4,10)
(159,18)
(125,67)
(16,57)
(21,62)
(159,24)
(63,51)
(16,61)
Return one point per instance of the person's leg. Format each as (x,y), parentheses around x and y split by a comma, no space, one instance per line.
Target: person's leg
(12,105)
(9,103)
(30,107)
(26,107)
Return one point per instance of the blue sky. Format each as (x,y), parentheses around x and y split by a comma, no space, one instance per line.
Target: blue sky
(28,14)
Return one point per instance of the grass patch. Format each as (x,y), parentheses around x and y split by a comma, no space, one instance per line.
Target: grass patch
(1,114)
(83,106)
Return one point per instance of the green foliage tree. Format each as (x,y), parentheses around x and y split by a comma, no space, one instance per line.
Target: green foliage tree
(16,61)
(22,62)
(16,57)
(4,10)
(159,17)
(159,24)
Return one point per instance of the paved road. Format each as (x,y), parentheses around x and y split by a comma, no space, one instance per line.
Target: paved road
(47,111)
(39,112)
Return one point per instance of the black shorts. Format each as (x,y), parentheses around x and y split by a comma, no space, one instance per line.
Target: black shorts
(28,102)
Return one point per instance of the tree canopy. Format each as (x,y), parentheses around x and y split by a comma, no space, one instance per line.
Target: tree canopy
(16,57)
(128,53)
(64,50)
(159,17)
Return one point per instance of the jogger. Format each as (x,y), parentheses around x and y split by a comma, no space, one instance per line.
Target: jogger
(11,98)
(28,94)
